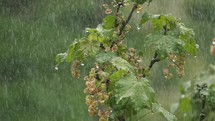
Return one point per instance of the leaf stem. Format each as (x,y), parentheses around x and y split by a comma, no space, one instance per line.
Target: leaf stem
(128,19)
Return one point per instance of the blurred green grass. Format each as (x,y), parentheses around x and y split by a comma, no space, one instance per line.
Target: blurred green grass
(34,31)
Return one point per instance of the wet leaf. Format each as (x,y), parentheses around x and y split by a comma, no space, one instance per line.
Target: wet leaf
(138,92)
(122,64)
(105,57)
(166,114)
(164,44)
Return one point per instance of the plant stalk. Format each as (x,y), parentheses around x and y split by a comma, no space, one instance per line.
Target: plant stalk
(128,19)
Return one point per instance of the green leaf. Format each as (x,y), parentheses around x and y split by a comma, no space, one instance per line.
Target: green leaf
(138,93)
(81,49)
(164,44)
(70,52)
(122,64)
(109,22)
(164,20)
(61,57)
(116,76)
(187,35)
(166,114)
(105,57)
(146,17)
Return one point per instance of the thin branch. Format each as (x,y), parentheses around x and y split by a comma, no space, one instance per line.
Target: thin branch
(117,13)
(154,60)
(128,19)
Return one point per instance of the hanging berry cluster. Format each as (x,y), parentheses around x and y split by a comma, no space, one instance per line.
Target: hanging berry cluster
(97,95)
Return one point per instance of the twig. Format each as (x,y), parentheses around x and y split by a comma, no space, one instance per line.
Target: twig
(117,13)
(154,60)
(128,19)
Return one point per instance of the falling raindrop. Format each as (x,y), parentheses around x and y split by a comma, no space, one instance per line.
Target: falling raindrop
(138,28)
(182,96)
(56,68)
(82,64)
(97,67)
(197,46)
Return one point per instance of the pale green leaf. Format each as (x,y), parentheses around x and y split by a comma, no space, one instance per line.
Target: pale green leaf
(187,35)
(105,57)
(116,76)
(137,92)
(146,17)
(166,114)
(122,64)
(61,57)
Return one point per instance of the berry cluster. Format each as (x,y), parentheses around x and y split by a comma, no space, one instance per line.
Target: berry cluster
(97,95)
(136,61)
(175,61)
(75,68)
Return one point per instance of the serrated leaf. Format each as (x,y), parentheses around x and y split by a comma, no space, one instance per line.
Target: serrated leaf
(105,57)
(90,48)
(164,20)
(109,22)
(122,64)
(137,92)
(164,44)
(166,114)
(81,49)
(187,35)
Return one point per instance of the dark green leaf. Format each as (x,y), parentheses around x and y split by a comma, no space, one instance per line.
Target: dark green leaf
(164,44)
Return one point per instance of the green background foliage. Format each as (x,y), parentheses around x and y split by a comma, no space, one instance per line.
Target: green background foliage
(33,31)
